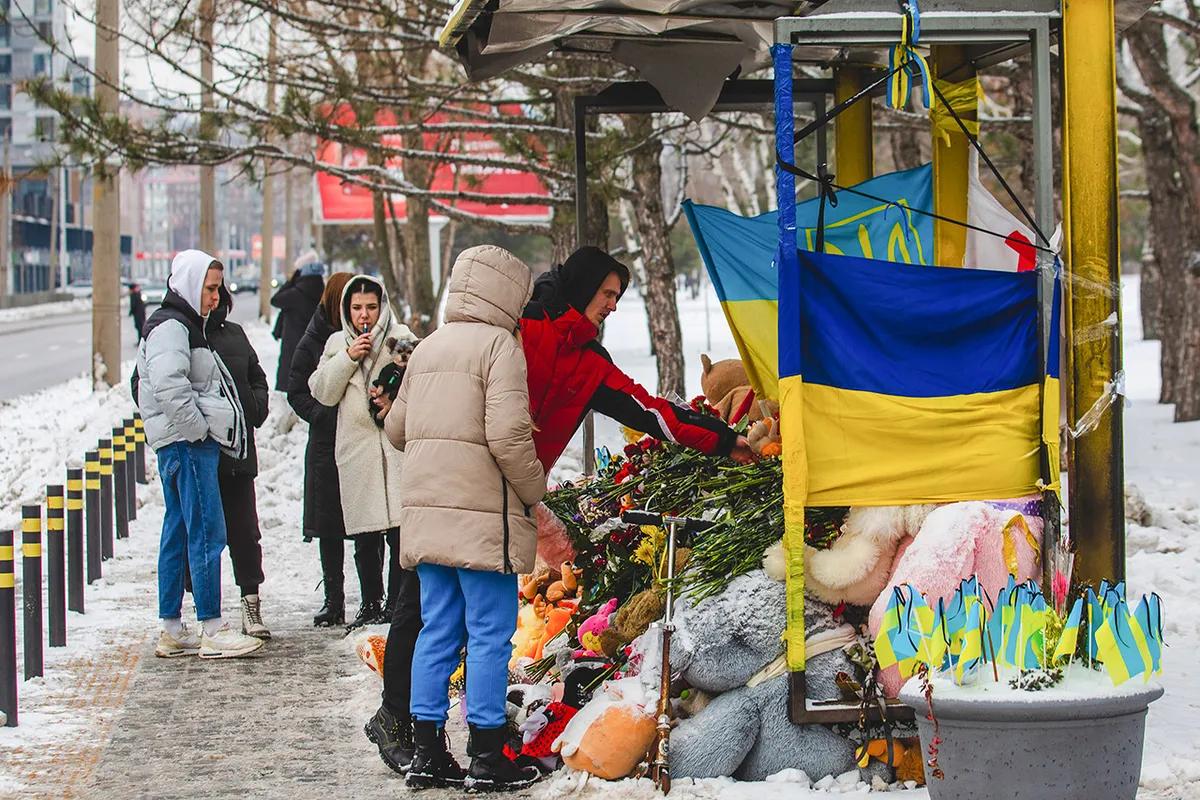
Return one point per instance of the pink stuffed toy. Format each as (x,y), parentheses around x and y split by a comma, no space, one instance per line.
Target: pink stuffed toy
(591,628)
(985,539)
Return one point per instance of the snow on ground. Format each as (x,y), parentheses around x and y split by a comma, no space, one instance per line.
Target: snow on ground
(76,306)
(72,708)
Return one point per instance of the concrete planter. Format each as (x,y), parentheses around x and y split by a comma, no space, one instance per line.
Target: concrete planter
(1081,748)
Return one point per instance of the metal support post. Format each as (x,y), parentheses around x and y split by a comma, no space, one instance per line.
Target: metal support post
(8,631)
(93,540)
(56,565)
(31,587)
(120,484)
(75,578)
(139,439)
(106,499)
(853,131)
(130,476)
(1093,262)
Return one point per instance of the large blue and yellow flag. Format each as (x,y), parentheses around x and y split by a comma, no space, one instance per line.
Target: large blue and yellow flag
(902,386)
(740,254)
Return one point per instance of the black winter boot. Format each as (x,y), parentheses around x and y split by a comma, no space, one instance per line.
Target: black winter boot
(369,613)
(432,764)
(332,613)
(491,770)
(393,735)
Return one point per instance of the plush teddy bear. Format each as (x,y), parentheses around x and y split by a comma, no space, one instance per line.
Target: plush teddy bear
(592,628)
(726,387)
(731,645)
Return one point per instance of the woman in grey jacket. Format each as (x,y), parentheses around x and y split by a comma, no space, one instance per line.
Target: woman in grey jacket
(190,406)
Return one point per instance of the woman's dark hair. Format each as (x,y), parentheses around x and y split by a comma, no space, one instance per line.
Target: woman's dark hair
(362,285)
(331,298)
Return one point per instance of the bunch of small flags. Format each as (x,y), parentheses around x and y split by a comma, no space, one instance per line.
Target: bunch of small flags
(959,636)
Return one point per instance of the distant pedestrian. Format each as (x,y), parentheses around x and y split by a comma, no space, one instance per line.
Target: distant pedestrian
(296,300)
(137,309)
(471,479)
(322,518)
(192,414)
(368,467)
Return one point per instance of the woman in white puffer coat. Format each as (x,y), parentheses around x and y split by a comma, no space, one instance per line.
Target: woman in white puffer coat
(368,466)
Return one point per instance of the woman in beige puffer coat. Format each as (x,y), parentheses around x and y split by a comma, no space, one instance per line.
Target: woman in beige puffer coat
(369,469)
(471,479)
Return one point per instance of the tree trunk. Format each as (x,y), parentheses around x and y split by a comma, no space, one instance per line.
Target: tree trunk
(662,314)
(387,270)
(1150,289)
(1171,149)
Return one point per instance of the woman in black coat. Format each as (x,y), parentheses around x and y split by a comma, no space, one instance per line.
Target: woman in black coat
(322,491)
(296,300)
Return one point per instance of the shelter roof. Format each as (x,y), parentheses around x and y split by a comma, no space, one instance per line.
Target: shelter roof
(687,48)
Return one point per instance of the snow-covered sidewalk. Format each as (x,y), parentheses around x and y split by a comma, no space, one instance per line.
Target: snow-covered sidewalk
(109,720)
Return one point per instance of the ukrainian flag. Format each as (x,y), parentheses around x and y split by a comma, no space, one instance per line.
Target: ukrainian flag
(972,644)
(902,386)
(1121,645)
(1069,638)
(740,255)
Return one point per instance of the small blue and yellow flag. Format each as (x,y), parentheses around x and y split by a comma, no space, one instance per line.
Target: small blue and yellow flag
(1149,617)
(1118,647)
(972,644)
(1095,619)
(885,655)
(1069,638)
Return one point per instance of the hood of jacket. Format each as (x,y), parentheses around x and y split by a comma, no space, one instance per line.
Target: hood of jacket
(488,284)
(188,270)
(385,309)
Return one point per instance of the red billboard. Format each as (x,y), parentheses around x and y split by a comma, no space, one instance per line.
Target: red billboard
(339,201)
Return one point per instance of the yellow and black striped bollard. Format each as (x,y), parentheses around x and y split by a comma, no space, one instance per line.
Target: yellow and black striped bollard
(75,540)
(130,469)
(106,499)
(31,584)
(139,443)
(56,564)
(95,550)
(120,484)
(8,631)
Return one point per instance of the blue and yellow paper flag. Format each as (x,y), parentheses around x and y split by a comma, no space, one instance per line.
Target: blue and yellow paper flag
(1069,638)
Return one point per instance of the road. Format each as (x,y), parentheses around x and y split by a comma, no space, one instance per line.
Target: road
(37,353)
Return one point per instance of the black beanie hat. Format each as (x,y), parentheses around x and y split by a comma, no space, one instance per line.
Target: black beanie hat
(580,276)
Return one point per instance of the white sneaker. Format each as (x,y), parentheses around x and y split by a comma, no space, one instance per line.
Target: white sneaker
(252,624)
(228,643)
(185,644)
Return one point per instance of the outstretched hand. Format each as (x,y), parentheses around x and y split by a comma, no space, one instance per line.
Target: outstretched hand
(741,452)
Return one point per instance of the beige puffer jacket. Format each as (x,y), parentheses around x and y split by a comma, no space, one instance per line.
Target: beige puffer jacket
(471,475)
(369,468)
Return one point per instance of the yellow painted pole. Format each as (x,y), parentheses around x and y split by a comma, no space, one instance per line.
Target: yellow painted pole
(1092,252)
(951,154)
(852,130)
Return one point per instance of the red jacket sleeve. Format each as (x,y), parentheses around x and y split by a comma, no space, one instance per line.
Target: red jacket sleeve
(621,398)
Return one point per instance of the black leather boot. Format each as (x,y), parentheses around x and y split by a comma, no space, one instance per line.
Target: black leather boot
(332,613)
(432,765)
(393,735)
(491,770)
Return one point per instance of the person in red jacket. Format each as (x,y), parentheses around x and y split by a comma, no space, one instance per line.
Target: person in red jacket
(570,374)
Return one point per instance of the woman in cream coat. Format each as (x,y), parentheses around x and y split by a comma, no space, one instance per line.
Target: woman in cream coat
(368,466)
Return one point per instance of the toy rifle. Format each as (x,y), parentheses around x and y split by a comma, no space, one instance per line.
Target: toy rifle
(677,528)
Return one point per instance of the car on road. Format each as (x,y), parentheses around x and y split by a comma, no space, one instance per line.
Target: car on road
(153,293)
(246,283)
(81,289)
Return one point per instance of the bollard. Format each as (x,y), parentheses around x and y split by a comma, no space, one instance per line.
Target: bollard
(31,584)
(106,499)
(91,469)
(75,540)
(56,564)
(139,444)
(120,484)
(130,469)
(8,631)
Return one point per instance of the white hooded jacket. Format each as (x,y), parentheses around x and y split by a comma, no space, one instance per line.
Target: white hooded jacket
(185,393)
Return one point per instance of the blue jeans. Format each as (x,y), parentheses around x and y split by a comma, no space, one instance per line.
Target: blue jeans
(193,532)
(464,607)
